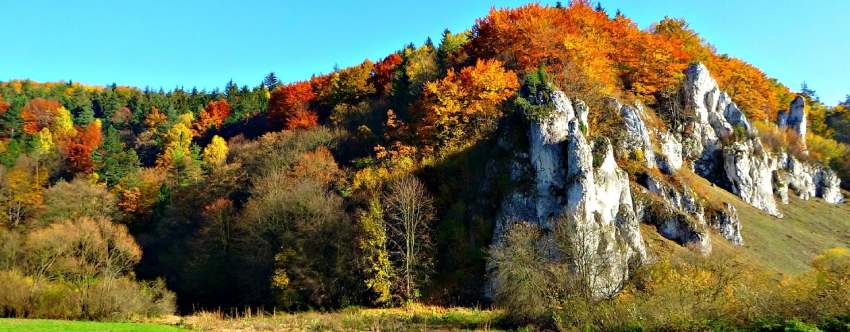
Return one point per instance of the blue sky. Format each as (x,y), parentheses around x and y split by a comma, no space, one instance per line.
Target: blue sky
(165,43)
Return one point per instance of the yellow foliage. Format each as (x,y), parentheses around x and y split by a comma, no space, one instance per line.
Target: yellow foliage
(62,124)
(179,141)
(215,153)
(462,106)
(43,142)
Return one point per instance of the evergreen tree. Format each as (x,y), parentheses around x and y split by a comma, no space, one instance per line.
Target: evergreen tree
(809,93)
(271,81)
(114,160)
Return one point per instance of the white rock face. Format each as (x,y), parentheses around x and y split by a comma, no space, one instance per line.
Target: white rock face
(600,201)
(727,223)
(681,218)
(715,117)
(566,187)
(800,178)
(670,160)
(545,138)
(581,112)
(795,119)
(806,180)
(828,185)
(750,173)
(637,135)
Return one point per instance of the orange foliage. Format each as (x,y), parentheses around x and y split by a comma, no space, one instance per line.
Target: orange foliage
(154,118)
(760,97)
(461,105)
(38,114)
(383,72)
(78,148)
(214,115)
(578,43)
(318,165)
(748,86)
(289,106)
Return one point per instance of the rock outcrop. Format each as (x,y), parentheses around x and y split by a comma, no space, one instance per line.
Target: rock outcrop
(670,159)
(679,216)
(715,117)
(726,222)
(780,185)
(723,143)
(750,173)
(637,135)
(795,119)
(567,186)
(828,185)
(564,182)
(806,180)
(546,153)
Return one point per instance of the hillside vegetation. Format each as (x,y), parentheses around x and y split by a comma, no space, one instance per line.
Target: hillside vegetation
(381,185)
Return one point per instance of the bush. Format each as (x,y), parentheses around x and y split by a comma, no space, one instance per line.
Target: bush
(124,299)
(99,299)
(520,277)
(685,293)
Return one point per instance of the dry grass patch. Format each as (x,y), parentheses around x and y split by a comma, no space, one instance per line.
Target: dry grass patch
(409,318)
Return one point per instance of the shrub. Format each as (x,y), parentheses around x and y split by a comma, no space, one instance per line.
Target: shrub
(520,274)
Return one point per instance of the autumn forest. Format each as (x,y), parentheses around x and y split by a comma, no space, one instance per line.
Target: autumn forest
(376,185)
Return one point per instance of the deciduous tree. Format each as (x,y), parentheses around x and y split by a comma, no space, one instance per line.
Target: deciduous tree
(410,212)
(463,105)
(215,153)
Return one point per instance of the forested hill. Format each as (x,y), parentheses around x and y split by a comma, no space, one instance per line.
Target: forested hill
(375,184)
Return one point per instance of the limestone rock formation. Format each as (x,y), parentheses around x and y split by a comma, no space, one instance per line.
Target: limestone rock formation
(670,159)
(567,187)
(780,185)
(800,178)
(795,119)
(807,180)
(637,135)
(727,223)
(679,216)
(546,153)
(715,118)
(750,173)
(828,185)
(723,145)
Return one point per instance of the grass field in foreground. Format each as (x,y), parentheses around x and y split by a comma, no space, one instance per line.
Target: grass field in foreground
(48,325)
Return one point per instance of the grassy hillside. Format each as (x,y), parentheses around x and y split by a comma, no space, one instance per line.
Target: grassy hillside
(785,245)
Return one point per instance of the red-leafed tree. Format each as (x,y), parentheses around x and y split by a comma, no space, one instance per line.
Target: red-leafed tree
(213,116)
(289,106)
(383,73)
(39,113)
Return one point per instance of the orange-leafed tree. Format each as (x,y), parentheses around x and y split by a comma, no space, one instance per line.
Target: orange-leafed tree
(289,106)
(212,116)
(463,105)
(78,149)
(39,113)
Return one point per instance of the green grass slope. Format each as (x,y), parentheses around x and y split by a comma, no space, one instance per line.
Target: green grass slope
(785,245)
(48,325)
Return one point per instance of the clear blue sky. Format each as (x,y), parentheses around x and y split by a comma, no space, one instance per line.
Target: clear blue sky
(169,43)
